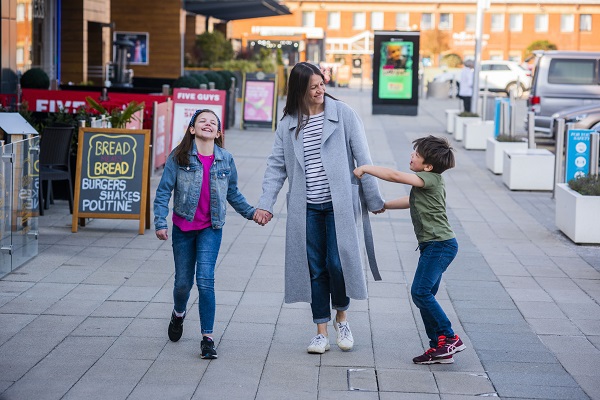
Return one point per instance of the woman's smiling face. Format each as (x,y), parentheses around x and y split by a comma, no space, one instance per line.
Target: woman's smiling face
(316,91)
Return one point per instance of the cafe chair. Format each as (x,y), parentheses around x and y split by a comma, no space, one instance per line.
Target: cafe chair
(55,148)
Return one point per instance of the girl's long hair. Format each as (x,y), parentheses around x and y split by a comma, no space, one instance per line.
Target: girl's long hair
(296,103)
(182,151)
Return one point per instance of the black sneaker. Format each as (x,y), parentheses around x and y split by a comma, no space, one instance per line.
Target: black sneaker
(208,348)
(448,346)
(428,358)
(176,327)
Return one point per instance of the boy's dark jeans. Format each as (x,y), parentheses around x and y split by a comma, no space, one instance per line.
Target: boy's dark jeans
(434,259)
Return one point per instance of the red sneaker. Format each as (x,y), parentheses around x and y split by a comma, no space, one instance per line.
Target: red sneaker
(448,346)
(428,358)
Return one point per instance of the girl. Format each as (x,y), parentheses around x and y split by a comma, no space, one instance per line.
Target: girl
(203,177)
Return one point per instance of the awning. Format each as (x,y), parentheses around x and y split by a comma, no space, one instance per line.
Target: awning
(229,10)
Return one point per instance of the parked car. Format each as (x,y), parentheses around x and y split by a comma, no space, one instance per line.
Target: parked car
(561,80)
(502,76)
(583,117)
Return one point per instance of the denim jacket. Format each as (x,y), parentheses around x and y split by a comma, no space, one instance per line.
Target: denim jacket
(186,181)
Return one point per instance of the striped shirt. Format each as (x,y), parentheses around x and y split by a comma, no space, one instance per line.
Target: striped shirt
(317,185)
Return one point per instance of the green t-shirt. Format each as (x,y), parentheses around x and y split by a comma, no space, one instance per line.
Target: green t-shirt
(428,209)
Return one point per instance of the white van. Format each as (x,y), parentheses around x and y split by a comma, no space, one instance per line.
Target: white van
(562,79)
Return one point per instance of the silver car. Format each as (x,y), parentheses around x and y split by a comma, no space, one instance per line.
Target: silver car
(583,117)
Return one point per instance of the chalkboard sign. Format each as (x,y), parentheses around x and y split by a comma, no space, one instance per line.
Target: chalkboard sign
(112,174)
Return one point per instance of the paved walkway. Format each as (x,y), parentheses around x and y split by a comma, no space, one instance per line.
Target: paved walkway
(87,318)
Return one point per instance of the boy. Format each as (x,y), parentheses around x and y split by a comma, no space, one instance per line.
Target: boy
(437,242)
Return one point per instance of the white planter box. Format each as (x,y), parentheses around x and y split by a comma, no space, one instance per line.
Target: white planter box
(494,153)
(450,115)
(476,135)
(459,124)
(529,169)
(577,216)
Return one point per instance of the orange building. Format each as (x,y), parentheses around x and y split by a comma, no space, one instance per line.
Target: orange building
(447,26)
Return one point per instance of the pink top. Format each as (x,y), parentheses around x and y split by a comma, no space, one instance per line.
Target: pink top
(202,216)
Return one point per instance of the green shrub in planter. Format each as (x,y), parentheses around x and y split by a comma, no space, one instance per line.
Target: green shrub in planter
(186,82)
(468,114)
(509,138)
(201,79)
(226,75)
(35,78)
(212,76)
(586,185)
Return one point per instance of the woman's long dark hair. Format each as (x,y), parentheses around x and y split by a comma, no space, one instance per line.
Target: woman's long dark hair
(184,147)
(296,103)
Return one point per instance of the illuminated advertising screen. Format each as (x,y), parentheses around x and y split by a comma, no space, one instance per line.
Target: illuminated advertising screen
(396,72)
(259,101)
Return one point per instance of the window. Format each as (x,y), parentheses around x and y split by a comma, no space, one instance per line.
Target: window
(333,20)
(20,55)
(402,21)
(359,20)
(308,19)
(585,23)
(516,22)
(377,20)
(541,23)
(567,23)
(497,22)
(572,72)
(427,21)
(470,21)
(445,21)
(20,12)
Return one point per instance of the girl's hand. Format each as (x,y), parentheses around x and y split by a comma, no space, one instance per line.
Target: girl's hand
(262,217)
(162,234)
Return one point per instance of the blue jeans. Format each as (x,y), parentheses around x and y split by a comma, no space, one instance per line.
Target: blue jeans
(326,276)
(195,252)
(434,259)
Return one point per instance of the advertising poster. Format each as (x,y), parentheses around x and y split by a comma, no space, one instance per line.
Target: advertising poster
(138,51)
(187,101)
(578,153)
(396,70)
(259,101)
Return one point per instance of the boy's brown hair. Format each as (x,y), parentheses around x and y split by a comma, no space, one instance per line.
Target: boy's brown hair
(435,151)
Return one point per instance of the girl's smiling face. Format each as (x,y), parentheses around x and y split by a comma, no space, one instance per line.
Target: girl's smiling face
(206,126)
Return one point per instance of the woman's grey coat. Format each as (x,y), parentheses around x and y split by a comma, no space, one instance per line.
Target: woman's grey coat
(342,144)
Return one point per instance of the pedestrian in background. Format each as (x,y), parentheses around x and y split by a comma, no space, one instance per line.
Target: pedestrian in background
(437,242)
(203,177)
(465,90)
(318,143)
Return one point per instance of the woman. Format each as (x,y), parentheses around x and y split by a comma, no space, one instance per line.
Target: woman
(318,144)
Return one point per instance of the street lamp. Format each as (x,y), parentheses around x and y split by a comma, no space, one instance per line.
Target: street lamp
(482,5)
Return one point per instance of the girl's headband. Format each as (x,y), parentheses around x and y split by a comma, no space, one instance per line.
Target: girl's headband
(198,112)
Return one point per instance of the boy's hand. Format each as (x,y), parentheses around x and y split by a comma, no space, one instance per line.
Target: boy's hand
(359,172)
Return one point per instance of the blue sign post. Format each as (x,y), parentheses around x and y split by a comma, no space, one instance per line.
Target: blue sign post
(578,153)
(497,114)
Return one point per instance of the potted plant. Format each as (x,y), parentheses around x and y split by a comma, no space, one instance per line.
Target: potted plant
(117,117)
(577,205)
(476,134)
(450,117)
(494,151)
(460,120)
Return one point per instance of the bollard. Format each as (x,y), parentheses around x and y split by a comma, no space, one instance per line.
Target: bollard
(559,154)
(485,99)
(512,113)
(504,118)
(531,130)
(203,86)
(594,154)
(165,89)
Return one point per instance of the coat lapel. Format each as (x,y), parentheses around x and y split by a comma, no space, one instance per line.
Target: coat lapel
(331,119)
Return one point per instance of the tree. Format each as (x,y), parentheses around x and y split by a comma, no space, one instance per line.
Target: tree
(212,47)
(435,42)
(539,45)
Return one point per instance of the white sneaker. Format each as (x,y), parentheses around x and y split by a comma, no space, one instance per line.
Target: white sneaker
(344,336)
(318,345)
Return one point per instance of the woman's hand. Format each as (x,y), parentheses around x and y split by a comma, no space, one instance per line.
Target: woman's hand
(262,217)
(162,234)
(359,172)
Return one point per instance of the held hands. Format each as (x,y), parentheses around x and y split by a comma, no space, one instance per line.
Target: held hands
(262,217)
(359,172)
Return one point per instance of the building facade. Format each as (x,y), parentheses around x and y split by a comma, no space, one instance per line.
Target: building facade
(446,26)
